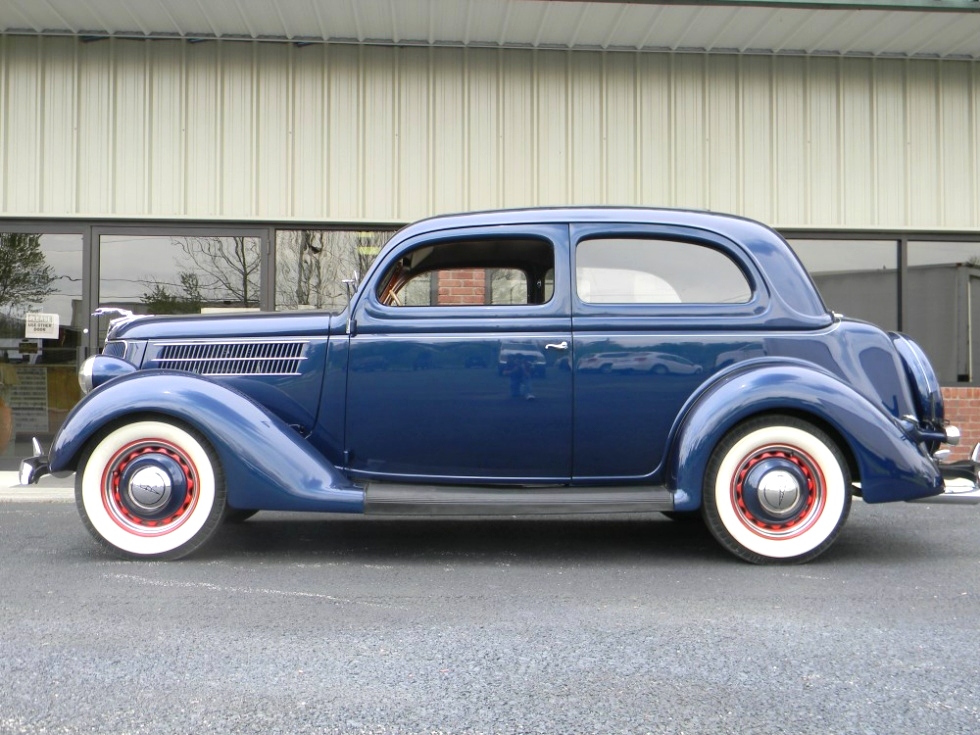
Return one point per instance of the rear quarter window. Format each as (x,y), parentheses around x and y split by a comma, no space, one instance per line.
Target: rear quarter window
(657,271)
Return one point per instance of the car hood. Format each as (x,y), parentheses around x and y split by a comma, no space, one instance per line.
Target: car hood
(225,326)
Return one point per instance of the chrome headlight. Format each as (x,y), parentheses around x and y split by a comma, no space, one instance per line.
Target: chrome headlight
(101,369)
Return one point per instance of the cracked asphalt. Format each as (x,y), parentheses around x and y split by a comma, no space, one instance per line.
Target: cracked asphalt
(333,624)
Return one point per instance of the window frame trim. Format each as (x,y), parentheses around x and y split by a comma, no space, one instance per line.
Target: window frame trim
(369,304)
(673,314)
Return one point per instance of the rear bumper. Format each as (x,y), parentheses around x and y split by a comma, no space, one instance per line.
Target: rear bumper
(962,481)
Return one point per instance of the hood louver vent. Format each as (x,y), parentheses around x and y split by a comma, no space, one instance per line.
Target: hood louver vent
(233,358)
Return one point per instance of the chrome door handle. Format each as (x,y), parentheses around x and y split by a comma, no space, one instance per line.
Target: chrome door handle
(563,345)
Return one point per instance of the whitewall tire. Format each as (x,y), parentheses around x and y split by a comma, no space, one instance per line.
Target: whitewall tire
(777,489)
(150,489)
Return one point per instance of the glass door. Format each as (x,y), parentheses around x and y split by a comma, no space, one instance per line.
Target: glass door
(43,324)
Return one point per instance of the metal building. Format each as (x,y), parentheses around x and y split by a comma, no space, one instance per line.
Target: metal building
(141,143)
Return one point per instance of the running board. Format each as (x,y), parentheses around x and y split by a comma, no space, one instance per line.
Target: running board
(437,500)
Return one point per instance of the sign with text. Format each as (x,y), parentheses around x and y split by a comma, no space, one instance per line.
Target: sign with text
(29,400)
(38,325)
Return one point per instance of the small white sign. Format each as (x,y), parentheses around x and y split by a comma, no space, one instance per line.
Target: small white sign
(38,325)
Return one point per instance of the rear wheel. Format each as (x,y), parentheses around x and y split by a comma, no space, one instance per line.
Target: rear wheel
(150,489)
(777,489)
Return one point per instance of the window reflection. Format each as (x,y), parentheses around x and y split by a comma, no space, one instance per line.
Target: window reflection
(170,275)
(311,265)
(931,252)
(163,274)
(858,278)
(944,314)
(41,323)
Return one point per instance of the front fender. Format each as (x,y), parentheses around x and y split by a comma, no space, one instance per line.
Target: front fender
(267,464)
(891,465)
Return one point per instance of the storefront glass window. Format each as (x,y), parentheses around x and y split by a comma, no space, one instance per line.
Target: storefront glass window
(41,323)
(943,315)
(311,265)
(165,274)
(857,278)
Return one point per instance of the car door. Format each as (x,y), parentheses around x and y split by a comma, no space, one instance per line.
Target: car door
(655,309)
(459,360)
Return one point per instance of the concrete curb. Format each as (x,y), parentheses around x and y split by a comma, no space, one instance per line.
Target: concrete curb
(48,490)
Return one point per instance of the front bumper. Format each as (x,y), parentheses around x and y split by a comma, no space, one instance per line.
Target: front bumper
(33,468)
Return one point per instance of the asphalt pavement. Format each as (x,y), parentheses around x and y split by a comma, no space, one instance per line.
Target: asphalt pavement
(301,623)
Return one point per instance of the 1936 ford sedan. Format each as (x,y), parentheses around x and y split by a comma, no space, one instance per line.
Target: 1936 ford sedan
(519,362)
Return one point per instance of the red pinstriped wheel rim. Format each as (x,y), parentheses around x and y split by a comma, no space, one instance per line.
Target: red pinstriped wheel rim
(746,491)
(164,458)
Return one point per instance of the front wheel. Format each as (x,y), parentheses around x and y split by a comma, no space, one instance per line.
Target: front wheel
(777,489)
(150,489)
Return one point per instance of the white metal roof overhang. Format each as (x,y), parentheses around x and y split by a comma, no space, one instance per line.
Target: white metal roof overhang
(892,28)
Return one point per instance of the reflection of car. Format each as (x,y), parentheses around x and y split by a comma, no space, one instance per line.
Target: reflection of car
(606,362)
(190,421)
(661,362)
(746,352)
(643,361)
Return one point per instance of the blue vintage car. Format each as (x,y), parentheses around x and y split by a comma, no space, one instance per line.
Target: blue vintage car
(607,361)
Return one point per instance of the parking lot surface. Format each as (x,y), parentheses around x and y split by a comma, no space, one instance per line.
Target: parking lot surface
(333,624)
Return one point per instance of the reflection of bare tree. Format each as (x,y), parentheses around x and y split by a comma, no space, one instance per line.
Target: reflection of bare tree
(25,276)
(312,264)
(186,301)
(211,270)
(227,267)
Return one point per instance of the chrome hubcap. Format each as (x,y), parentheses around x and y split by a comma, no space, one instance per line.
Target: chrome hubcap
(150,488)
(779,493)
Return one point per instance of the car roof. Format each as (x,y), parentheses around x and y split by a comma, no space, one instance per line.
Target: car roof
(785,275)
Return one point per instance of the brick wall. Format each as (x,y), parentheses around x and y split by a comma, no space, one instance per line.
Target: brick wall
(467,286)
(963,411)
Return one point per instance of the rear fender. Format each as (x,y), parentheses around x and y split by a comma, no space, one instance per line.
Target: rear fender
(891,466)
(267,464)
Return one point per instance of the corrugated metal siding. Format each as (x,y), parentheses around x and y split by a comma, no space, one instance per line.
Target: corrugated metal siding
(22,127)
(342,169)
(58,130)
(344,132)
(726,27)
(757,144)
(199,161)
(95,145)
(824,141)
(857,131)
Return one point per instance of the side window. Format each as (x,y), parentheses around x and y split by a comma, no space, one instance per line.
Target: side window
(656,271)
(487,272)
